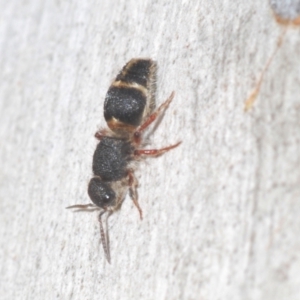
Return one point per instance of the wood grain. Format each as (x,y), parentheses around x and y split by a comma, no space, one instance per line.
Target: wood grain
(221,212)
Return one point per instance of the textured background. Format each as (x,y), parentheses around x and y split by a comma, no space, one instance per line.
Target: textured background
(221,212)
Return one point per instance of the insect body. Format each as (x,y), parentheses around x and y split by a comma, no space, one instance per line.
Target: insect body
(128,110)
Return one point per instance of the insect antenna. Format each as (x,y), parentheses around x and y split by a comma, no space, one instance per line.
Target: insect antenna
(105,235)
(84,207)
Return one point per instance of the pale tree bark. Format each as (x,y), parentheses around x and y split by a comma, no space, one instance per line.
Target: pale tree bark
(221,212)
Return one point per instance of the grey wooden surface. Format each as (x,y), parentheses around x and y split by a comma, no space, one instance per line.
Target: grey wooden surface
(221,212)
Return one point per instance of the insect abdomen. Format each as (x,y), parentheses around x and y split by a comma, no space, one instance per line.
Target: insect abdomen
(136,71)
(131,96)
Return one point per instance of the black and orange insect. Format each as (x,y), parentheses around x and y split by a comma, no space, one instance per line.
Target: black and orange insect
(129,109)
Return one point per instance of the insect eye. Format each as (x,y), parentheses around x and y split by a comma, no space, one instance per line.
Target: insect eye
(108,197)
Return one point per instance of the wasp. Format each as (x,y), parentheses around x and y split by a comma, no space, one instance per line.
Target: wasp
(129,109)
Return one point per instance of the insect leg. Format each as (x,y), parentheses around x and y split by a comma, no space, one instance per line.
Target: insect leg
(155,152)
(101,134)
(152,118)
(133,183)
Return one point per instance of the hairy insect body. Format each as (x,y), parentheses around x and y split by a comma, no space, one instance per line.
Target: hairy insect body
(128,111)
(111,158)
